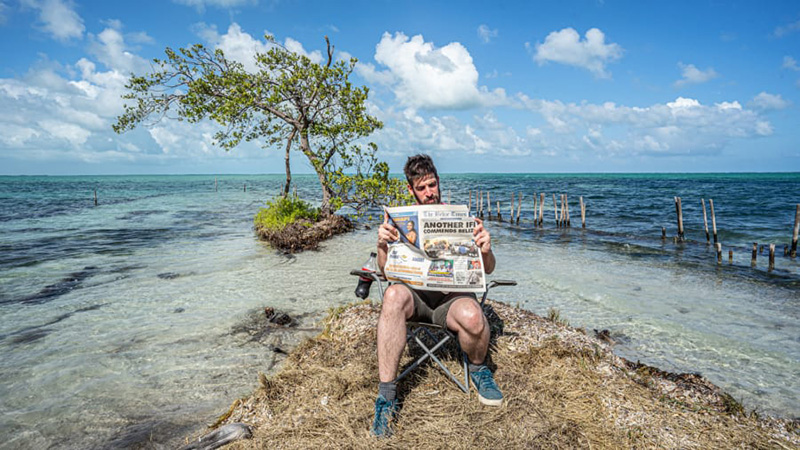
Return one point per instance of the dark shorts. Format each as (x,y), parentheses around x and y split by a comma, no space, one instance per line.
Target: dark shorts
(432,306)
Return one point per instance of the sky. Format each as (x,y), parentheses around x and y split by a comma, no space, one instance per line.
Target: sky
(529,86)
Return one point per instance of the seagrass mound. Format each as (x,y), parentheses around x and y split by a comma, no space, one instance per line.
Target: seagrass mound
(304,234)
(563,389)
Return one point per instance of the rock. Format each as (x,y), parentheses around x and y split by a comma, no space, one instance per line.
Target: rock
(279,318)
(221,436)
(605,336)
(168,275)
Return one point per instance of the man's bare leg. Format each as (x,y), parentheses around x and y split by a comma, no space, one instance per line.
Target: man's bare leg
(398,307)
(466,318)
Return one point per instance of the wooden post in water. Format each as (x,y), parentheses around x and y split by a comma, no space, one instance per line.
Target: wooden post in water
(95,197)
(245,187)
(719,252)
(215,184)
(555,209)
(470,201)
(499,216)
(566,204)
(511,217)
(519,205)
(535,210)
(771,257)
(713,219)
(705,221)
(793,252)
(679,213)
(541,209)
(730,256)
(489,204)
(755,254)
(663,233)
(583,213)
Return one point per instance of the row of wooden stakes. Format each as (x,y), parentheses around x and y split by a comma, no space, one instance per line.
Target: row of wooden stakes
(560,210)
(718,245)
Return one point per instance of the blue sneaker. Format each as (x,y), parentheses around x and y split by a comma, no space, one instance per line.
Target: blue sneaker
(488,392)
(385,412)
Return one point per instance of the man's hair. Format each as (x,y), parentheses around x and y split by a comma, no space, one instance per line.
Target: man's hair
(418,166)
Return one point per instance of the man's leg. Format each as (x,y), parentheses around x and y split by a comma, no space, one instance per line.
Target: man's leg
(465,317)
(397,308)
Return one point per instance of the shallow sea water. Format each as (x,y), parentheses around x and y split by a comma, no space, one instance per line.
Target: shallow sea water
(125,323)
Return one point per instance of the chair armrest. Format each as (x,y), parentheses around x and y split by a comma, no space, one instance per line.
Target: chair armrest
(495,283)
(368,274)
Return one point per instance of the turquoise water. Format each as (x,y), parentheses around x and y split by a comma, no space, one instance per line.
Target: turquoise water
(127,321)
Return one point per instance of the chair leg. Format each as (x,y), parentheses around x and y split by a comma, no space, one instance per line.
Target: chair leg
(466,370)
(429,353)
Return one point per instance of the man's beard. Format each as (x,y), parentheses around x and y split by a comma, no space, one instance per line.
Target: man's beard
(432,201)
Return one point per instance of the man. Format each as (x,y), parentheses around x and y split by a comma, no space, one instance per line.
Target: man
(459,312)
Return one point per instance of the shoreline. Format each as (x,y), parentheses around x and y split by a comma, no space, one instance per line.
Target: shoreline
(562,387)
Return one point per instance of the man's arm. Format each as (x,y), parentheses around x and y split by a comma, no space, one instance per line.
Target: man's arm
(484,242)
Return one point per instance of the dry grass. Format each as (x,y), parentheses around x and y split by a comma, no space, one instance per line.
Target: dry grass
(563,390)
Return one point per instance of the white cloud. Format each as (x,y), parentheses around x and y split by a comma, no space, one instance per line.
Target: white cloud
(70,132)
(676,127)
(728,105)
(407,132)
(790,63)
(296,47)
(3,12)
(240,46)
(765,102)
(423,76)
(787,29)
(236,44)
(486,34)
(201,5)
(57,18)
(109,48)
(566,47)
(693,75)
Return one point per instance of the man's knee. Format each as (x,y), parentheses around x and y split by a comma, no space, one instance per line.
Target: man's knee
(398,299)
(469,316)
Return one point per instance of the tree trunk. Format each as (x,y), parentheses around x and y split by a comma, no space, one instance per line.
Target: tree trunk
(288,167)
(325,209)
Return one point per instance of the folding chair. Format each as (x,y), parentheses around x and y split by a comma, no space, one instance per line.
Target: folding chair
(416,331)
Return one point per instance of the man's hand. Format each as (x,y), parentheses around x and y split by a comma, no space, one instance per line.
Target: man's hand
(484,242)
(482,237)
(387,232)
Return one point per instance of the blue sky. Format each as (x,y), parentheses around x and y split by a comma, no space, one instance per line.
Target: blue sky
(587,86)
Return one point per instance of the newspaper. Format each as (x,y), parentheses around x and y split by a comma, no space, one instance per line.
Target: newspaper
(436,250)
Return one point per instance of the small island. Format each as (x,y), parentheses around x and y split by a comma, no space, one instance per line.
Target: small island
(564,389)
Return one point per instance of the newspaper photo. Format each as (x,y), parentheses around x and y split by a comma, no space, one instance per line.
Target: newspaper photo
(436,251)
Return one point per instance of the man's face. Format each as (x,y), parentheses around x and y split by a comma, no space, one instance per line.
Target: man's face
(426,190)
